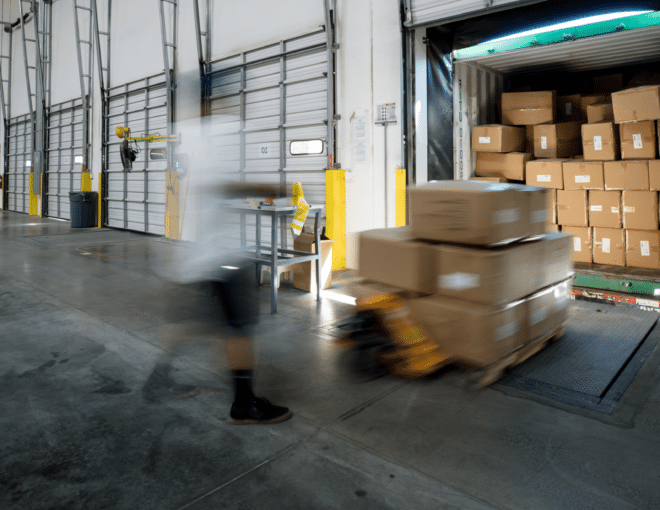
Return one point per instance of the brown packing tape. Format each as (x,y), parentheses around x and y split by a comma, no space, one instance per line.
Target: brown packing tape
(562,206)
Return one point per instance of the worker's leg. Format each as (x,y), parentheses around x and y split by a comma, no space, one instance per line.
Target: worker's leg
(240,355)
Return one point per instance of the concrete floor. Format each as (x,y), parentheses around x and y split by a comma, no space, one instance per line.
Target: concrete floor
(83,321)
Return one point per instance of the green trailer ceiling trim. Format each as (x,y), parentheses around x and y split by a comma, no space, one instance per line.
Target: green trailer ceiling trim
(617,283)
(651,19)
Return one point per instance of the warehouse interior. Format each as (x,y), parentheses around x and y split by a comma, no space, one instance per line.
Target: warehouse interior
(116,388)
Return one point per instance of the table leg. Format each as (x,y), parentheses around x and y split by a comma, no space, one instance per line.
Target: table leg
(318,252)
(243,234)
(273,263)
(258,249)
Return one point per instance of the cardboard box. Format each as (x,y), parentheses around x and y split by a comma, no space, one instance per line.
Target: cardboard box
(539,215)
(572,208)
(585,101)
(555,264)
(468,212)
(472,333)
(392,256)
(583,175)
(490,179)
(498,138)
(582,243)
(600,142)
(608,84)
(640,210)
(548,173)
(638,104)
(561,140)
(638,140)
(492,276)
(510,165)
(626,175)
(605,209)
(654,175)
(600,112)
(546,310)
(552,209)
(529,139)
(304,274)
(554,228)
(609,246)
(569,108)
(528,108)
(643,248)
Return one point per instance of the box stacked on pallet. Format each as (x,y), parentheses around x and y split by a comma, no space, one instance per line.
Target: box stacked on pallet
(491,287)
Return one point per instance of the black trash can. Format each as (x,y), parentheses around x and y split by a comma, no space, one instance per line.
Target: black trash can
(83,208)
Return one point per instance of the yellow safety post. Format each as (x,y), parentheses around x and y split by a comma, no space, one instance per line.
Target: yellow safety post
(34,198)
(100,204)
(400,197)
(85,181)
(172,205)
(335,199)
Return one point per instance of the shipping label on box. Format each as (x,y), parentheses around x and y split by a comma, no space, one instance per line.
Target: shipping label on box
(510,165)
(547,173)
(609,246)
(528,108)
(569,108)
(600,142)
(583,175)
(582,243)
(498,138)
(562,140)
(572,208)
(638,140)
(640,210)
(600,112)
(630,175)
(605,209)
(637,104)
(654,175)
(643,248)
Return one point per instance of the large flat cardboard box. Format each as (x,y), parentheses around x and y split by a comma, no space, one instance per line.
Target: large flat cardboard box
(569,108)
(608,84)
(640,210)
(392,256)
(605,209)
(472,333)
(626,175)
(638,104)
(600,142)
(469,212)
(539,215)
(638,140)
(609,246)
(580,174)
(528,108)
(600,112)
(582,243)
(643,248)
(548,173)
(498,138)
(654,175)
(562,140)
(304,274)
(555,263)
(585,101)
(510,165)
(572,208)
(546,310)
(552,209)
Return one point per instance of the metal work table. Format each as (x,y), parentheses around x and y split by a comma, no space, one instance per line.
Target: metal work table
(278,256)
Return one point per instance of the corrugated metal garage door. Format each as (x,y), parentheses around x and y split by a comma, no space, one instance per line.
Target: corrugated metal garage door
(20,160)
(428,12)
(65,124)
(263,99)
(136,200)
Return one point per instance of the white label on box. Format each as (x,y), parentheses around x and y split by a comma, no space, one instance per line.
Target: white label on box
(582,178)
(645,248)
(596,208)
(569,108)
(544,142)
(577,244)
(506,216)
(637,141)
(598,143)
(606,245)
(539,216)
(538,316)
(506,331)
(458,281)
(484,139)
(615,210)
(628,209)
(543,178)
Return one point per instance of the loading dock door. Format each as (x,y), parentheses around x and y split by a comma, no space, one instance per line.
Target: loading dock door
(64,156)
(19,164)
(430,12)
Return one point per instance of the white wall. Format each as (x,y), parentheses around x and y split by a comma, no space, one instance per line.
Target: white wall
(65,81)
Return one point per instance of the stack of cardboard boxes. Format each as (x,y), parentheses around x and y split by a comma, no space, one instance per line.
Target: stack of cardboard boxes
(599,162)
(487,284)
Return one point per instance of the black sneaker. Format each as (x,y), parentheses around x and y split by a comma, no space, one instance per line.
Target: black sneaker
(261,412)
(160,386)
